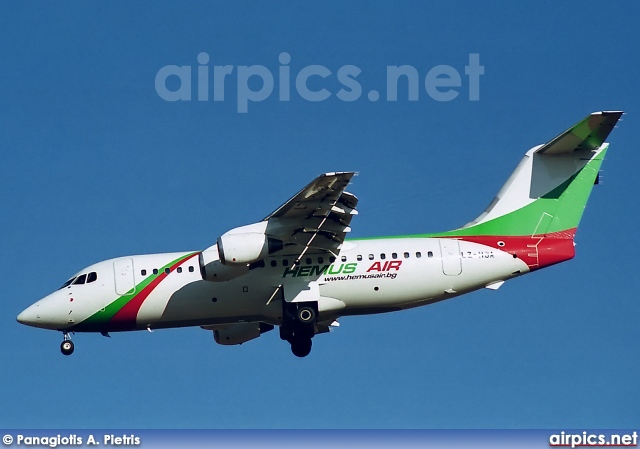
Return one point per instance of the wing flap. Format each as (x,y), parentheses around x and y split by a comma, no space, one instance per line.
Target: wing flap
(322,193)
(318,217)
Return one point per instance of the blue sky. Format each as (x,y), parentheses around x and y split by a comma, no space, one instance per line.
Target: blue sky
(97,165)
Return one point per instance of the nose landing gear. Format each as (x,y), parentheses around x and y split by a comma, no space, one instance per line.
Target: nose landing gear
(66,347)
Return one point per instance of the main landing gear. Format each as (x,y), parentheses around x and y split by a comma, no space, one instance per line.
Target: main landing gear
(301,347)
(299,326)
(66,347)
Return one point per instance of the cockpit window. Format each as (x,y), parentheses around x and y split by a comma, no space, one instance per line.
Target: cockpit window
(68,283)
(80,279)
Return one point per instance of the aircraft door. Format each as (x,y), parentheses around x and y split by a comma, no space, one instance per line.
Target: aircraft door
(123,272)
(451,262)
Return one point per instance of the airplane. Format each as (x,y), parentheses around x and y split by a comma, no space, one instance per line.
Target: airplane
(296,270)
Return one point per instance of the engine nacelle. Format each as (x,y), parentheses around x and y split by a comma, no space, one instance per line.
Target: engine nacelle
(247,244)
(242,248)
(213,270)
(236,334)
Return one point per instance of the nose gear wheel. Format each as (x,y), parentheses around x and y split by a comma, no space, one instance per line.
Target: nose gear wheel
(66,347)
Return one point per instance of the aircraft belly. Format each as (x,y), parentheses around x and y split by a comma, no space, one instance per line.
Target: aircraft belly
(203,301)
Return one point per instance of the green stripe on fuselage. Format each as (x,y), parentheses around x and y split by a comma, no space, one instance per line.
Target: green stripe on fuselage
(104,315)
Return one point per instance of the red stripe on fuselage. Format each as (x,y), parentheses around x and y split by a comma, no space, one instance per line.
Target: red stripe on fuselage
(125,318)
(537,251)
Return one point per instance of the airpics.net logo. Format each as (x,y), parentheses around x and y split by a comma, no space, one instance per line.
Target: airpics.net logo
(314,83)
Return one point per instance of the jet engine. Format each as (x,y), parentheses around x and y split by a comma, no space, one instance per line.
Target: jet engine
(213,270)
(236,334)
(247,244)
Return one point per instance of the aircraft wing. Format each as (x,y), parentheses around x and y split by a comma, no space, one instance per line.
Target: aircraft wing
(317,217)
(587,134)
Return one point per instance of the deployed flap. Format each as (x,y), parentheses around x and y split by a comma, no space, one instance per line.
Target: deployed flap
(319,194)
(587,134)
(317,217)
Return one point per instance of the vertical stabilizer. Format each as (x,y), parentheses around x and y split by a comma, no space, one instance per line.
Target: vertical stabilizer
(545,197)
(550,187)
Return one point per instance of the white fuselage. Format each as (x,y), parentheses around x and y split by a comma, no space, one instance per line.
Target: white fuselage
(367,276)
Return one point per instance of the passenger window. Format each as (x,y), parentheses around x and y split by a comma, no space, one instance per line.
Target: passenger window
(406,255)
(190,269)
(394,255)
(285,262)
(274,263)
(143,272)
(429,254)
(320,260)
(370,256)
(418,254)
(155,271)
(80,279)
(383,256)
(92,277)
(179,269)
(332,259)
(359,257)
(167,270)
(343,258)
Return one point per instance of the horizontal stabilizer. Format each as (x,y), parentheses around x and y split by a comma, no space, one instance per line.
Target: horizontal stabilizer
(587,134)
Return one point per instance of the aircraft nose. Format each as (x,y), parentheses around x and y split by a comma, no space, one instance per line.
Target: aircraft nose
(29,316)
(48,313)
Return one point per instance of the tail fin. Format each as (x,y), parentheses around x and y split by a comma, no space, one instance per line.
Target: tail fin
(547,193)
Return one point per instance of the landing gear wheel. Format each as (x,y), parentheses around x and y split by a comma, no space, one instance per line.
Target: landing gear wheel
(306,315)
(301,347)
(67,347)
